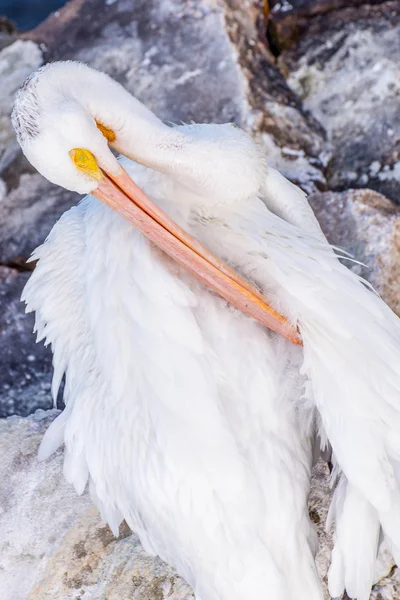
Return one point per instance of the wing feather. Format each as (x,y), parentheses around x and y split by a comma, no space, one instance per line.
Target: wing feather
(351,351)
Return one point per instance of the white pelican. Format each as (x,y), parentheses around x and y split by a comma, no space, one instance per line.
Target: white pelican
(188,418)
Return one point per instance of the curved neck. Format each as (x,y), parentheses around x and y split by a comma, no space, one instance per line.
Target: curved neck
(213,161)
(140,134)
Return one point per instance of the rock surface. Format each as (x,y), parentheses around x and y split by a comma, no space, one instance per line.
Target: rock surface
(25,367)
(367,225)
(289,19)
(54,546)
(388,588)
(346,70)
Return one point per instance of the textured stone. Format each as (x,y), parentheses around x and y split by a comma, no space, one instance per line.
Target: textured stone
(289,19)
(53,545)
(346,70)
(17,61)
(388,587)
(29,205)
(367,225)
(25,367)
(319,501)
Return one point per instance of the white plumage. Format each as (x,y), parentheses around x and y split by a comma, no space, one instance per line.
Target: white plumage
(188,418)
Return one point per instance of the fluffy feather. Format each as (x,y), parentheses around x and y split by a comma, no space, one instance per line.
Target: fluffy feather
(179,408)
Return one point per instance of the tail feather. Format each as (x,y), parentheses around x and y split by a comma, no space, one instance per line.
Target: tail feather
(54,436)
(356,544)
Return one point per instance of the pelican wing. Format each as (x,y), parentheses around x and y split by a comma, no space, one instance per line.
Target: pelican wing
(357,521)
(105,318)
(145,420)
(351,343)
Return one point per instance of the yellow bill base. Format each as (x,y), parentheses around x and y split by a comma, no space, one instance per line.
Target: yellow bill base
(85,161)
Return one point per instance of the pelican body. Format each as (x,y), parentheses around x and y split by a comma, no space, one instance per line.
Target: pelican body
(187,417)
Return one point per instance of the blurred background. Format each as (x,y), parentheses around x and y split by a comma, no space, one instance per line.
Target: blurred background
(28,13)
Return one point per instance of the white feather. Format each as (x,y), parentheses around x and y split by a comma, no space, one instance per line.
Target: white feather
(351,352)
(180,409)
(356,544)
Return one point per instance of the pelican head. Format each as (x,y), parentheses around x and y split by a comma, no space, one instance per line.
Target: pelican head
(66,110)
(67,116)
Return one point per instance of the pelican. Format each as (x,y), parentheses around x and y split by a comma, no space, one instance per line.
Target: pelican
(185,415)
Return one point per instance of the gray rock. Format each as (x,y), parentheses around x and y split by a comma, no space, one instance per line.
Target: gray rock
(346,70)
(17,61)
(388,587)
(53,545)
(290,19)
(367,225)
(318,502)
(25,367)
(20,227)
(29,205)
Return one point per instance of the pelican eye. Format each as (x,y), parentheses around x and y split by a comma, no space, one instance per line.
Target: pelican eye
(107,132)
(85,161)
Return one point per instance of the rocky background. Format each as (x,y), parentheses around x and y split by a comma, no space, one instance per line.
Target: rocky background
(317,82)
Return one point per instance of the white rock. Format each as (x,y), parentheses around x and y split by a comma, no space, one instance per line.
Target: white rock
(17,61)
(53,545)
(345,67)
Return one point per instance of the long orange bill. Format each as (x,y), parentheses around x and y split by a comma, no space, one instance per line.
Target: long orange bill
(123,195)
